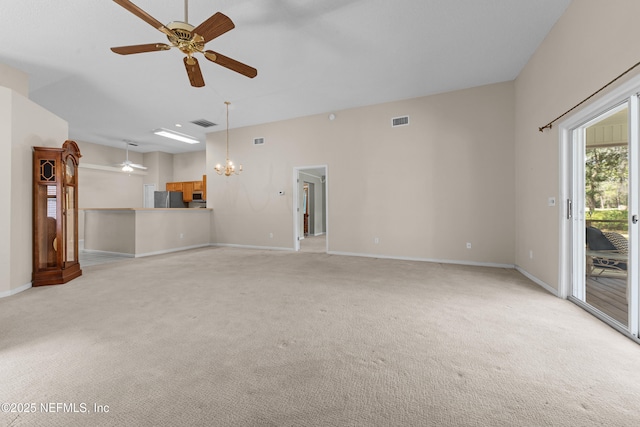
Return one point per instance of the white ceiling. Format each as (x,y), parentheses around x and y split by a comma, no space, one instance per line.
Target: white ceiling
(312,56)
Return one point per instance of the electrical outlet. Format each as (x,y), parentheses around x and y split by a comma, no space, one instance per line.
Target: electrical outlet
(376,240)
(530,254)
(551,201)
(182,235)
(271,235)
(468,245)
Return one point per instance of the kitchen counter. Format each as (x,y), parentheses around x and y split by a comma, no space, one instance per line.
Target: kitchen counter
(139,232)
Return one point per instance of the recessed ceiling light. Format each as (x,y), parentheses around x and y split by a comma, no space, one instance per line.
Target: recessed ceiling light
(177,136)
(178,125)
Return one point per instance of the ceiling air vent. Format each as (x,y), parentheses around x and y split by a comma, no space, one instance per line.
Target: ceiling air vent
(400,121)
(204,123)
(258,141)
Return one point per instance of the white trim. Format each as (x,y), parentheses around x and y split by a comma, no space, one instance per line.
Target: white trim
(296,220)
(146,254)
(565,242)
(168,251)
(433,260)
(232,245)
(539,282)
(95,251)
(15,291)
(633,209)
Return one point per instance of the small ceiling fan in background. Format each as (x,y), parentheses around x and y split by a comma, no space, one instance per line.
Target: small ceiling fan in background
(128,165)
(189,40)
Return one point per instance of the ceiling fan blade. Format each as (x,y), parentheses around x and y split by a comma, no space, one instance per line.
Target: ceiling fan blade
(140,48)
(144,16)
(193,71)
(231,64)
(137,166)
(215,26)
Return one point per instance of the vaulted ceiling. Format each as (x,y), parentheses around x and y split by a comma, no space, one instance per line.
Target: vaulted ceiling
(312,57)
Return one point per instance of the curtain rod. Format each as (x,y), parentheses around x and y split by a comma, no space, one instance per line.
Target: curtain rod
(550,124)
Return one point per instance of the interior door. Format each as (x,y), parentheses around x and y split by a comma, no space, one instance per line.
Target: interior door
(149,190)
(603,214)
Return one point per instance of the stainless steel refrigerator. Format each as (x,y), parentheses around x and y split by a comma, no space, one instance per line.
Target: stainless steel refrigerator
(168,199)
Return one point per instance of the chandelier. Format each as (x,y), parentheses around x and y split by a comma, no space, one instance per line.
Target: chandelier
(229,168)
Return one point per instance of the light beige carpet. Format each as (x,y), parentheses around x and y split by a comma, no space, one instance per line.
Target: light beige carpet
(234,337)
(314,244)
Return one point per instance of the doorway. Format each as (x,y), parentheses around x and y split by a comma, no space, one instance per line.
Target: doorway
(148,191)
(599,226)
(310,208)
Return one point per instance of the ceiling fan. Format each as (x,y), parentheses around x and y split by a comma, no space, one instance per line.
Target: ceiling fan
(189,40)
(128,165)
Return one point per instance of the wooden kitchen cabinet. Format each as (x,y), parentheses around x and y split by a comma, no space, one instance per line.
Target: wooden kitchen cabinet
(188,187)
(187,191)
(174,186)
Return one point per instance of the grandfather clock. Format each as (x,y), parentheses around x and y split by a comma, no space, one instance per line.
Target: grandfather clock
(55,214)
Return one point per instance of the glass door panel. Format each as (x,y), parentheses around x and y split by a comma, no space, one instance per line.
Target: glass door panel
(605,218)
(70,225)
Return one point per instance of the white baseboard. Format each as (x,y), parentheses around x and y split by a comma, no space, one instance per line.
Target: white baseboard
(15,291)
(230,245)
(439,261)
(537,281)
(145,254)
(95,251)
(168,251)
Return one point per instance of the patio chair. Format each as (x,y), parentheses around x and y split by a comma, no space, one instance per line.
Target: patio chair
(607,252)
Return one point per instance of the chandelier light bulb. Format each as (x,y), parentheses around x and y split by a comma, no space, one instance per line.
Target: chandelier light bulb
(229,167)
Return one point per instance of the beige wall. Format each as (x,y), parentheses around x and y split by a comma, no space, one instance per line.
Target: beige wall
(144,232)
(160,169)
(101,185)
(189,166)
(14,79)
(24,125)
(6,113)
(109,187)
(569,65)
(424,190)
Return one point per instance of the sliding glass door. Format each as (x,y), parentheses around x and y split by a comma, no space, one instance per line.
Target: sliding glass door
(602,209)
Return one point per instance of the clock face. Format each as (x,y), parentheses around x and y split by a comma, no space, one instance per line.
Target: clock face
(70,171)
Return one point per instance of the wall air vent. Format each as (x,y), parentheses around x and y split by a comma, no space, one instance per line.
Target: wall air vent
(204,123)
(400,121)
(258,141)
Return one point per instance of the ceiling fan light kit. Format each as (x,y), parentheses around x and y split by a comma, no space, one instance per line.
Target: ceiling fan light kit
(189,40)
(128,165)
